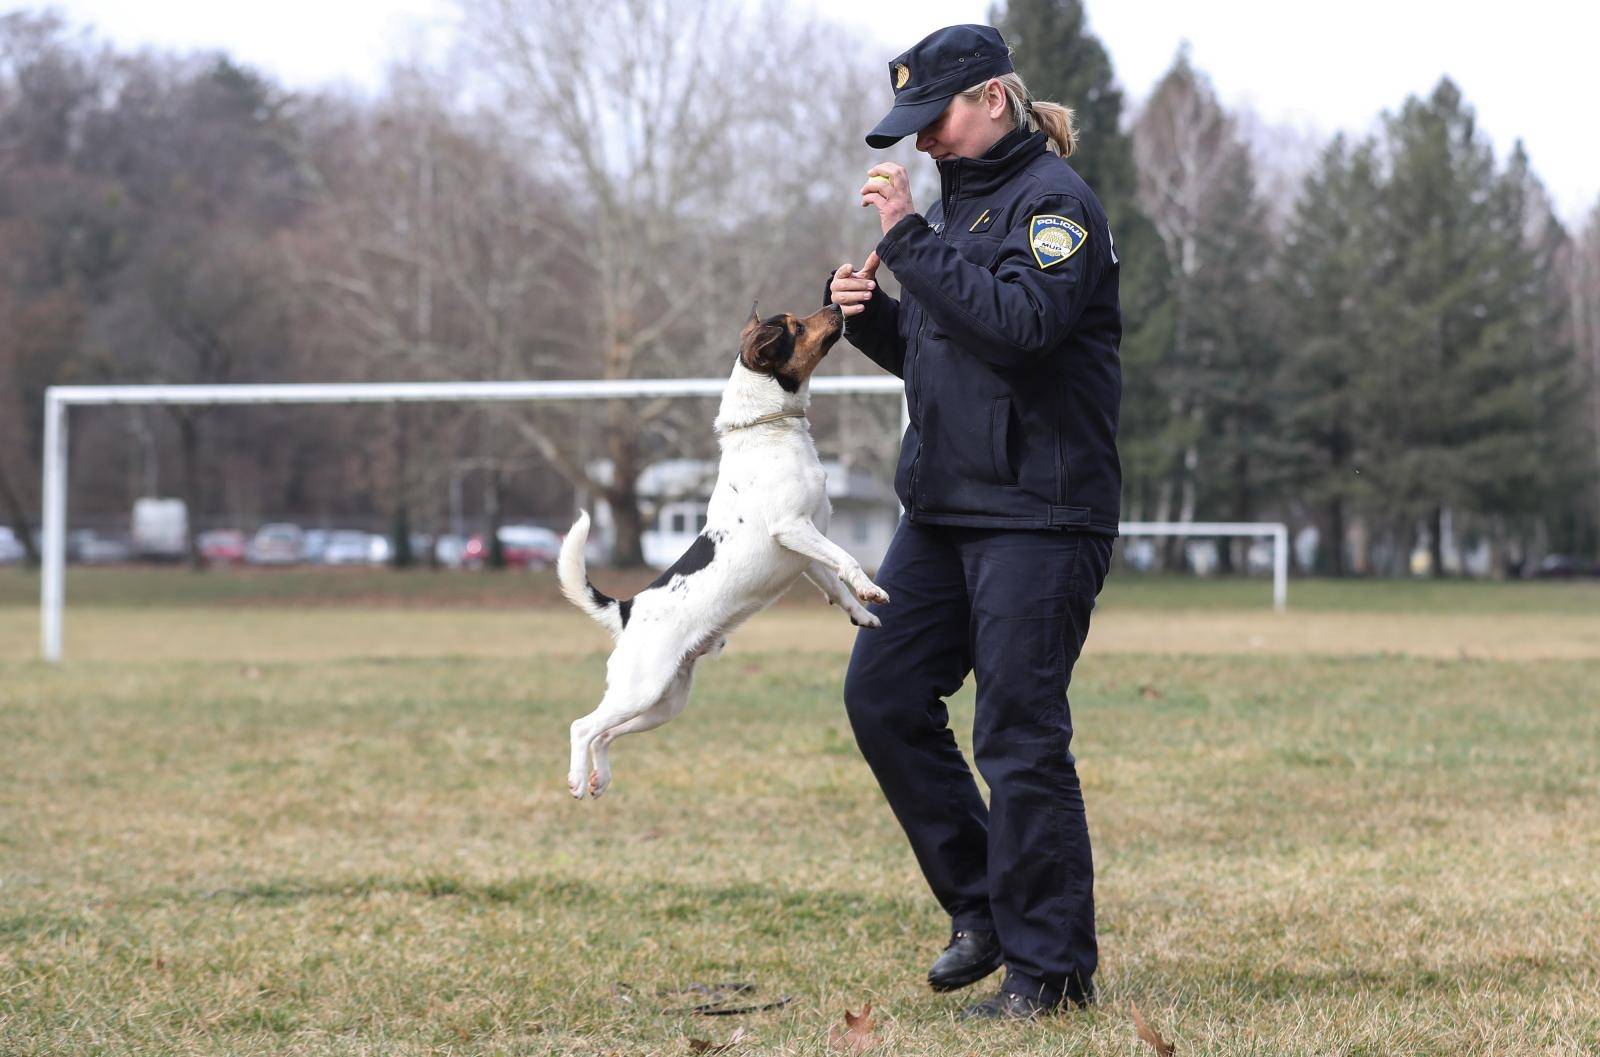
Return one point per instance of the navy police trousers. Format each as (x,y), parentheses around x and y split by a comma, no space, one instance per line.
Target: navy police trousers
(1012,607)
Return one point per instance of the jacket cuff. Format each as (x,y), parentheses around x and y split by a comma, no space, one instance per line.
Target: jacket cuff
(902,227)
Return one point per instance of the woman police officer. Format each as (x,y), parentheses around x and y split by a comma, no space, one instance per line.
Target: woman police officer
(1006,334)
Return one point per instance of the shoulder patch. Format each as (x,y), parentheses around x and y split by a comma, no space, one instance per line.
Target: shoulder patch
(1054,239)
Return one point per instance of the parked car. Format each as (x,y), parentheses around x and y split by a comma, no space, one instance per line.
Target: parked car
(1563,567)
(525,547)
(347,547)
(160,529)
(277,544)
(92,548)
(222,546)
(450,551)
(314,544)
(10,547)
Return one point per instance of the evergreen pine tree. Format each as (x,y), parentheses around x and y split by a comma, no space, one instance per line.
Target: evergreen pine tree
(1197,187)
(1526,461)
(1234,347)
(1325,280)
(1454,399)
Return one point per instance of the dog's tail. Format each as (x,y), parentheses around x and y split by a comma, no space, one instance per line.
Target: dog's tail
(573,572)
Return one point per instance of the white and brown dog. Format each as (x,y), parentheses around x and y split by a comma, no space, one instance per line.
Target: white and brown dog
(765,527)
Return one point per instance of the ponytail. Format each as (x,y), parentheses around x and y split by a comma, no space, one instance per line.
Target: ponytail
(1053,119)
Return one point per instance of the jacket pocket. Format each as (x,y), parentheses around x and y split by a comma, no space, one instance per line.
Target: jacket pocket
(999,440)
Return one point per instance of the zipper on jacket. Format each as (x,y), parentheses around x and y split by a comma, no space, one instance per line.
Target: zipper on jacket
(916,418)
(948,202)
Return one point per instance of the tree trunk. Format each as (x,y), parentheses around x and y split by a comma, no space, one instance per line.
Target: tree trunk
(1164,513)
(623,494)
(1436,544)
(1498,559)
(189,442)
(1186,503)
(1234,555)
(1361,545)
(493,501)
(400,556)
(1331,554)
(19,519)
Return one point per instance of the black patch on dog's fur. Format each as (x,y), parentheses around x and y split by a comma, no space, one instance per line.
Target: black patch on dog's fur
(601,599)
(697,557)
(790,385)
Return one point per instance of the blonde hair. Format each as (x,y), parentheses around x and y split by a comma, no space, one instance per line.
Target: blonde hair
(1053,119)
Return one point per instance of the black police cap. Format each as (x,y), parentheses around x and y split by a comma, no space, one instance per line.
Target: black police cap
(936,68)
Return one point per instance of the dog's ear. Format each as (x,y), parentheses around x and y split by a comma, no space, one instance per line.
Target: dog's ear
(751,325)
(766,344)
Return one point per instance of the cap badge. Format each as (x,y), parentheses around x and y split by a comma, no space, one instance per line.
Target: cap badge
(1054,238)
(902,75)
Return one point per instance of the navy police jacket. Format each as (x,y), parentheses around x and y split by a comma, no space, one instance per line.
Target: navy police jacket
(1006,334)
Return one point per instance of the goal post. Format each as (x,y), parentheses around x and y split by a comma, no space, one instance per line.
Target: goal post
(1277,531)
(60,399)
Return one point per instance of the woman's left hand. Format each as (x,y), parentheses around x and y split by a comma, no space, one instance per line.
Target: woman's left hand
(892,196)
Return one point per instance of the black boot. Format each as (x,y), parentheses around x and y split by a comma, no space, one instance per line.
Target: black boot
(1014,1004)
(972,955)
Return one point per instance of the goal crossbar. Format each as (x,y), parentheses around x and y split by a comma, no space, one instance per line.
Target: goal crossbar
(58,399)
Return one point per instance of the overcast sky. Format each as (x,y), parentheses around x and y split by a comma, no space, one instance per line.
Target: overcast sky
(1529,69)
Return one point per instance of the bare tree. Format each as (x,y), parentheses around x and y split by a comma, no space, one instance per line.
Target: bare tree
(679,135)
(1188,152)
(1586,333)
(435,252)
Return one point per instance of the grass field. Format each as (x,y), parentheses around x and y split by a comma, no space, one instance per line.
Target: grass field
(277,815)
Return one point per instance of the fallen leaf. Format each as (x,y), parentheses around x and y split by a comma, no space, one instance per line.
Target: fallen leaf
(857,1035)
(704,1046)
(1162,1047)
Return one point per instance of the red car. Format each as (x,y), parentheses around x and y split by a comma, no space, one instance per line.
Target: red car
(222,547)
(525,547)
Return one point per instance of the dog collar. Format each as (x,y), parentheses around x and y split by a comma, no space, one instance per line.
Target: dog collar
(775,416)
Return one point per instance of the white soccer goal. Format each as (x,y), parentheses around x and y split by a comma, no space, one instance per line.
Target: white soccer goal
(1277,531)
(58,399)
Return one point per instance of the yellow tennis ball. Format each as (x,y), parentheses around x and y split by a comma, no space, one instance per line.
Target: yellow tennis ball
(880,176)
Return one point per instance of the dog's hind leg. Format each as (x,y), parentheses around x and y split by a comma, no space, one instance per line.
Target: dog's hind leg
(634,682)
(672,702)
(834,590)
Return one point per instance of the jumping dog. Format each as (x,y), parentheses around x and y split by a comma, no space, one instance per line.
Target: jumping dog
(765,527)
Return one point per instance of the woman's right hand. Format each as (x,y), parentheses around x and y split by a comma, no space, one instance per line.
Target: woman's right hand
(851,289)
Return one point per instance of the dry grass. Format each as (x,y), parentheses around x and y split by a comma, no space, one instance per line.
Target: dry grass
(263,634)
(309,853)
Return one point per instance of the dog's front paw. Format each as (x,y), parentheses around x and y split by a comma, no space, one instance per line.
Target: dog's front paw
(578,787)
(862,618)
(868,591)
